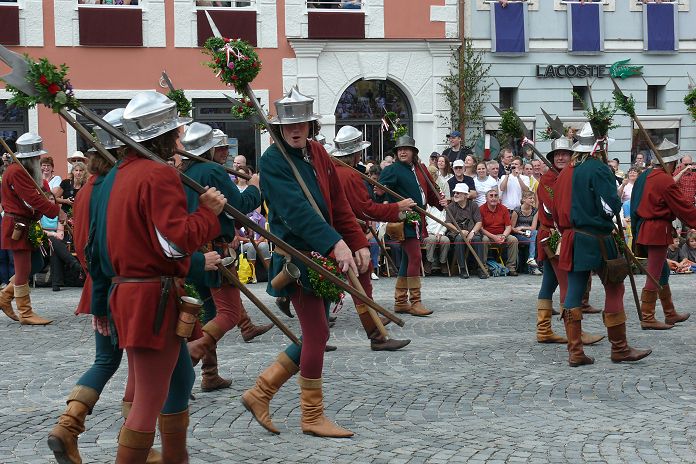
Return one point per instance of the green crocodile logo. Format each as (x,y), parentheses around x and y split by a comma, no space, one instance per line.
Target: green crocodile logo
(623,70)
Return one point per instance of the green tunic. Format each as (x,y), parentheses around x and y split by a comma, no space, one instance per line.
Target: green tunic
(401,178)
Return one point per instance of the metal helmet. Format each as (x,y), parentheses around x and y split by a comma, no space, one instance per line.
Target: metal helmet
(29,145)
(199,138)
(115,118)
(349,140)
(293,108)
(561,143)
(151,114)
(586,139)
(222,138)
(406,141)
(668,151)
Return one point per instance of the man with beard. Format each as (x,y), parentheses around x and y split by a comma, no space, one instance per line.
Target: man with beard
(23,206)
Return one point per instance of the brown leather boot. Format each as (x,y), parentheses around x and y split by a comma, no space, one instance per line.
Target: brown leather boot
(173,429)
(378,342)
(200,347)
(587,308)
(417,308)
(401,295)
(313,421)
(671,314)
(154,456)
(544,333)
(648,298)
(616,330)
(26,314)
(133,446)
(6,297)
(248,329)
(62,440)
(573,325)
(257,399)
(590,339)
(210,377)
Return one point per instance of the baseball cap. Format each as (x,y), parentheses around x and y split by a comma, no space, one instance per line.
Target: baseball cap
(454,133)
(461,188)
(434,154)
(458,163)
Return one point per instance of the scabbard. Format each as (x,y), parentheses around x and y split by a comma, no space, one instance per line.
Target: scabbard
(162,307)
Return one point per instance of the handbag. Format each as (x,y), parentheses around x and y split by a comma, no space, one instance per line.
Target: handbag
(395,230)
(612,271)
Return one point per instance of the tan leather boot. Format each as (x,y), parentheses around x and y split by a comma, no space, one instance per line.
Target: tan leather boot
(417,308)
(313,421)
(671,314)
(133,446)
(210,377)
(6,297)
(648,298)
(616,330)
(62,440)
(401,295)
(590,339)
(573,324)
(257,400)
(173,429)
(154,456)
(249,330)
(200,347)
(26,314)
(544,333)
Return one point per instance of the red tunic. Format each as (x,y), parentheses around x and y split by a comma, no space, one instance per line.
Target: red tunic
(360,201)
(661,203)
(545,200)
(147,197)
(80,236)
(18,190)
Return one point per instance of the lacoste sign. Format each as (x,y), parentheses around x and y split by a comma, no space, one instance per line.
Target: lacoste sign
(620,69)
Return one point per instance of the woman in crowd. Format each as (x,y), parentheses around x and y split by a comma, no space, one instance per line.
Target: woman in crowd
(242,183)
(470,166)
(67,190)
(443,168)
(483,182)
(524,227)
(47,168)
(626,187)
(60,255)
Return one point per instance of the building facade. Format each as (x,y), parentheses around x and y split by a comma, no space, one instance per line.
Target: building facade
(356,58)
(542,51)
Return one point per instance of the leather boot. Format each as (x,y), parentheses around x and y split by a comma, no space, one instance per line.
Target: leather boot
(313,421)
(417,308)
(63,438)
(573,325)
(201,347)
(671,314)
(133,446)
(173,429)
(26,314)
(378,342)
(544,333)
(257,399)
(154,456)
(401,295)
(616,330)
(6,297)
(210,377)
(590,339)
(648,298)
(248,329)
(283,303)
(587,308)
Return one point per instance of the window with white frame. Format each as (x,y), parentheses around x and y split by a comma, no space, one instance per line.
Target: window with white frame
(336,4)
(207,4)
(14,121)
(109,2)
(100,108)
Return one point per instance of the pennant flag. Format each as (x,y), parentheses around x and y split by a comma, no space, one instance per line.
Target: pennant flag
(660,32)
(585,27)
(385,125)
(509,32)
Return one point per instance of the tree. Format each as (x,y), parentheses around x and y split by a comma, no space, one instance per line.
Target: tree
(466,90)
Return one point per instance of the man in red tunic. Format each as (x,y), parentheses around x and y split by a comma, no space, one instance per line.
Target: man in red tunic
(656,201)
(143,239)
(349,146)
(23,206)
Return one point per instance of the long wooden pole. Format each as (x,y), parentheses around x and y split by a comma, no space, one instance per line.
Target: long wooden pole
(200,159)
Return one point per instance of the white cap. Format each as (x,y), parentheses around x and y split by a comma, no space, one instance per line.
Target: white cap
(461,187)
(458,163)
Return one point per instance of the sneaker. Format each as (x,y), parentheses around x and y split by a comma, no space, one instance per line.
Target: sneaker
(374,276)
(536,271)
(482,275)
(532,262)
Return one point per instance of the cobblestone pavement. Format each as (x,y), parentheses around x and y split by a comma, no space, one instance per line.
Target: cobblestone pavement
(473,386)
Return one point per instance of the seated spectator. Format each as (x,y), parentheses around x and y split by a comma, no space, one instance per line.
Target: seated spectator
(351,4)
(676,260)
(242,184)
(524,227)
(528,170)
(443,168)
(440,183)
(433,158)
(468,219)
(389,159)
(67,190)
(261,243)
(512,185)
(435,262)
(60,256)
(497,229)
(470,167)
(375,251)
(626,187)
(459,177)
(483,182)
(689,248)
(685,177)
(493,168)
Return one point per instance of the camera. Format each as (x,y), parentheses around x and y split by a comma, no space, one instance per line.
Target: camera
(527,233)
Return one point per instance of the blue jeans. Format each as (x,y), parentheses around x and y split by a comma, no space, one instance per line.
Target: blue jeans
(531,240)
(6,266)
(374,253)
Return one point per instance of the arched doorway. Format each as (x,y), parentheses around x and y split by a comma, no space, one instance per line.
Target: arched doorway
(364,104)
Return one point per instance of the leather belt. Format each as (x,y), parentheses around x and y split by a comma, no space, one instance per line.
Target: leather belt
(135,280)
(20,218)
(166,284)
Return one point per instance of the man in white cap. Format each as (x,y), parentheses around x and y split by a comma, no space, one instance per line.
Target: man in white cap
(77,157)
(656,201)
(23,206)
(461,178)
(467,215)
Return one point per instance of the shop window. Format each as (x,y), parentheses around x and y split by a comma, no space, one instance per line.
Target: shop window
(507,97)
(336,4)
(342,19)
(100,107)
(657,131)
(115,24)
(581,96)
(9,18)
(656,97)
(660,27)
(232,21)
(225,4)
(242,135)
(492,128)
(509,29)
(14,122)
(585,28)
(108,3)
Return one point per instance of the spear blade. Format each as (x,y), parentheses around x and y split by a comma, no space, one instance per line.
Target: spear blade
(168,81)
(233,100)
(520,125)
(20,69)
(556,124)
(213,27)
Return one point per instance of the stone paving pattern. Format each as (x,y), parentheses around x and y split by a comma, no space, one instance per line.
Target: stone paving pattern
(473,386)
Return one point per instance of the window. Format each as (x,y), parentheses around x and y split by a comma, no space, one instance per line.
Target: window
(507,97)
(336,4)
(655,98)
(581,95)
(13,123)
(100,107)
(242,135)
(660,27)
(661,130)
(223,4)
(108,2)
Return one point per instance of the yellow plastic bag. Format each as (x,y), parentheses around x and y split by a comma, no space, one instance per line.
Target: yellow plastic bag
(245,270)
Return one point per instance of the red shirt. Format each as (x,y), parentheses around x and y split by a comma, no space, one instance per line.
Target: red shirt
(495,222)
(686,183)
